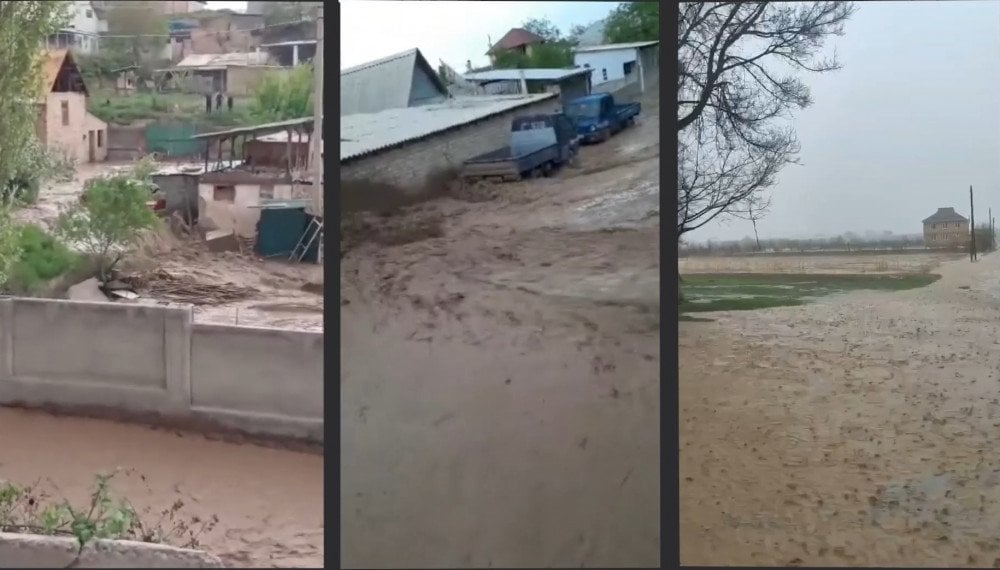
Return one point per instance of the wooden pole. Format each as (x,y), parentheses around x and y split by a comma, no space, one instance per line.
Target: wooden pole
(989,222)
(972,222)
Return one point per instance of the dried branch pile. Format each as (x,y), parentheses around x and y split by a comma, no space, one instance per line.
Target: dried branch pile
(184,289)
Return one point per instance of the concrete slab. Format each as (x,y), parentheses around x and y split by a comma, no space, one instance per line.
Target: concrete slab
(35,551)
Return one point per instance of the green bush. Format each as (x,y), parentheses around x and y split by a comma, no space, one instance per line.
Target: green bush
(284,95)
(42,259)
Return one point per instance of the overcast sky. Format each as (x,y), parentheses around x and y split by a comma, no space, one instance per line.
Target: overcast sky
(451,31)
(911,121)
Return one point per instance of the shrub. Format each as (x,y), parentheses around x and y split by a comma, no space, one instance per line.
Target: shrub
(42,259)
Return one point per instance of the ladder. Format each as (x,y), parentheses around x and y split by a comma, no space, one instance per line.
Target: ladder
(313,232)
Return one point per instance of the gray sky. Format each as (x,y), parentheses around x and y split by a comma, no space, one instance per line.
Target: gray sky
(234,6)
(452,31)
(911,121)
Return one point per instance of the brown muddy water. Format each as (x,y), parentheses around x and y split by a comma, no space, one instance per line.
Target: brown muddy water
(269,502)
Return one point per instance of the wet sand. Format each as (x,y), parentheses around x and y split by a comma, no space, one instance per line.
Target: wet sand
(269,501)
(854,431)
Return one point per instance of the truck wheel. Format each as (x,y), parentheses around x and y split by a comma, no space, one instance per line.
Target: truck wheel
(606,134)
(631,121)
(547,169)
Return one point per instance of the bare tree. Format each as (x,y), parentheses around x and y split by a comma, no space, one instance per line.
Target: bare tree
(737,81)
(754,208)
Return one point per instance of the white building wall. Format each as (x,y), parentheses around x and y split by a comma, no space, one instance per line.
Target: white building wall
(608,65)
(83,22)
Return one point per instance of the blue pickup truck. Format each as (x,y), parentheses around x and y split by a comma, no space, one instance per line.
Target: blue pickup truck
(597,117)
(538,144)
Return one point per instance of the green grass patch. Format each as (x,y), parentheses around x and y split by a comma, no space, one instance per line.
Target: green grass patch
(43,258)
(128,109)
(745,292)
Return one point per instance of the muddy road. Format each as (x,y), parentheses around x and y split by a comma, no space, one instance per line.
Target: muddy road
(499,374)
(857,430)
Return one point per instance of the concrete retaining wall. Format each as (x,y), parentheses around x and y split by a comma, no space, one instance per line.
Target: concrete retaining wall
(34,551)
(138,359)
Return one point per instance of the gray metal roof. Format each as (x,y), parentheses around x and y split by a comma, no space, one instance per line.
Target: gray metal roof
(384,83)
(606,47)
(362,134)
(945,215)
(258,129)
(529,74)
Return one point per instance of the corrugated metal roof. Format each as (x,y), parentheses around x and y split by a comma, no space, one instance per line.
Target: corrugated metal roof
(605,47)
(224,59)
(362,134)
(384,83)
(529,74)
(264,128)
(290,43)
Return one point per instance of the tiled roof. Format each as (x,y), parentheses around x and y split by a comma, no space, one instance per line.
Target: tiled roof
(946,215)
(516,37)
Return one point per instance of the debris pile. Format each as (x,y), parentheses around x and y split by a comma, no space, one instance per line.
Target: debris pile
(184,289)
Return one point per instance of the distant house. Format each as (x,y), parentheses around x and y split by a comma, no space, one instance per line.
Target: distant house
(568,83)
(63,121)
(397,81)
(946,228)
(292,52)
(229,73)
(517,40)
(82,30)
(617,65)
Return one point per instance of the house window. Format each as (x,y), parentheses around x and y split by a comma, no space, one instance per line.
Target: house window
(604,73)
(629,67)
(100,139)
(224,193)
(90,14)
(64,105)
(267,192)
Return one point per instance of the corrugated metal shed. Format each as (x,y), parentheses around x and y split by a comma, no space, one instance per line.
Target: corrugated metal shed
(221,60)
(529,74)
(384,83)
(606,47)
(363,134)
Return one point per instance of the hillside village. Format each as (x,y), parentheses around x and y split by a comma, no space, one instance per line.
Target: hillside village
(234,185)
(161,284)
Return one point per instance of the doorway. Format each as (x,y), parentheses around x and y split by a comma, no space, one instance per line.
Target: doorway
(91,147)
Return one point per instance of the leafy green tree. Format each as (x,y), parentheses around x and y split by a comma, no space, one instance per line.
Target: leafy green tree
(284,95)
(633,22)
(542,27)
(111,216)
(23,27)
(10,244)
(144,34)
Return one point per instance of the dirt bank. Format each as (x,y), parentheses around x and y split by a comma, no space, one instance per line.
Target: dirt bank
(853,431)
(272,517)
(499,377)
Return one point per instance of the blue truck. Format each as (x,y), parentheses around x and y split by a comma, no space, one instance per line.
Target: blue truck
(538,145)
(597,117)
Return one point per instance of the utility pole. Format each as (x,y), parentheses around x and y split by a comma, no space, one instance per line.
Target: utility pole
(317,134)
(972,222)
(989,222)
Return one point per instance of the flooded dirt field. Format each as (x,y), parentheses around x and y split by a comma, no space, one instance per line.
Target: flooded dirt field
(500,376)
(852,431)
(269,502)
(826,263)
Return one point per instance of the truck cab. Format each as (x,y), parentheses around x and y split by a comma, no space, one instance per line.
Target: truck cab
(597,117)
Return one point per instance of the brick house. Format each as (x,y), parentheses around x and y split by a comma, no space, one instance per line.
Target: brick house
(946,228)
(517,40)
(63,121)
